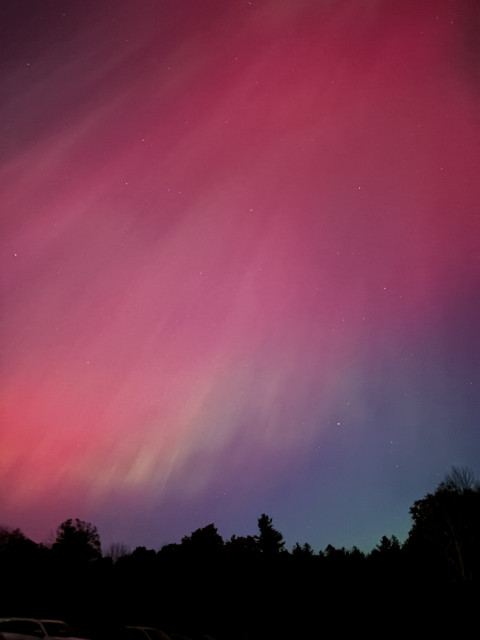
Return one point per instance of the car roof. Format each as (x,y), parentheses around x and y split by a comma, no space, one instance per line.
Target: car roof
(32,619)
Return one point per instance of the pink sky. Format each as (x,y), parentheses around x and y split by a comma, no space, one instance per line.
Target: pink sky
(239,249)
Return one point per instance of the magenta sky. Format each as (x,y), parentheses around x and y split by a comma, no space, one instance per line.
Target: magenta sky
(240,264)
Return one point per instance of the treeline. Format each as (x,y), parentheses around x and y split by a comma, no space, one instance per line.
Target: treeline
(252,587)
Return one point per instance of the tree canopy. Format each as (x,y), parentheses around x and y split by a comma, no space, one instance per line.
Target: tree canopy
(205,540)
(446,524)
(77,539)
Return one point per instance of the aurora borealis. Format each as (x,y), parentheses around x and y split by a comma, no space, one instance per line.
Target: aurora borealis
(240,264)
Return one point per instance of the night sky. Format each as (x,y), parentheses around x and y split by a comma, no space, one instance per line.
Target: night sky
(240,264)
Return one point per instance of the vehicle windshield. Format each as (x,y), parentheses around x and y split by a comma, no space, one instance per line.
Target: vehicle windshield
(58,629)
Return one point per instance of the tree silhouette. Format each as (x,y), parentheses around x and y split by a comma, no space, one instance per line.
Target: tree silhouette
(270,541)
(460,479)
(77,540)
(206,540)
(10,536)
(116,550)
(300,551)
(245,545)
(388,546)
(446,525)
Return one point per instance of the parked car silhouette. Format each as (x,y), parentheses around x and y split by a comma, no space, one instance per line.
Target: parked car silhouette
(31,629)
